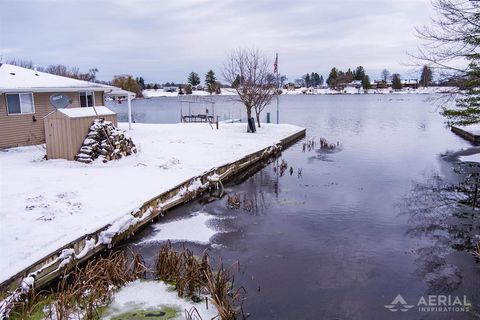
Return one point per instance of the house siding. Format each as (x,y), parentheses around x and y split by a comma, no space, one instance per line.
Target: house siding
(21,130)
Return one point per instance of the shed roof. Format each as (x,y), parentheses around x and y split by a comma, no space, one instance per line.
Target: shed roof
(86,112)
(17,79)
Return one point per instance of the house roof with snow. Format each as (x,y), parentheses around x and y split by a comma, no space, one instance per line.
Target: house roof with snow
(410,81)
(17,79)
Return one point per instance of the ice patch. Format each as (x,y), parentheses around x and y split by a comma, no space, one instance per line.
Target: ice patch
(146,295)
(195,228)
(472,158)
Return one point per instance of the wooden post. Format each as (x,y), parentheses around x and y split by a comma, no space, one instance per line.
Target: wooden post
(129,111)
(217,123)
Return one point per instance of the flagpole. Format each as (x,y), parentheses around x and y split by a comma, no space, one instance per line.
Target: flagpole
(278,85)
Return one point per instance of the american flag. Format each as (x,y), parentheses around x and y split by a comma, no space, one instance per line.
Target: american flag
(275,64)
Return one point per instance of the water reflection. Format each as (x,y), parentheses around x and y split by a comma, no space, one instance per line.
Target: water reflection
(442,209)
(331,243)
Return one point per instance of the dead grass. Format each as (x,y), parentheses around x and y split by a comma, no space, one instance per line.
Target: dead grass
(476,251)
(85,291)
(82,292)
(233,201)
(193,274)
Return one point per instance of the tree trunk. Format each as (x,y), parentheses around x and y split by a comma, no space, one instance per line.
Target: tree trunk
(249,115)
(258,119)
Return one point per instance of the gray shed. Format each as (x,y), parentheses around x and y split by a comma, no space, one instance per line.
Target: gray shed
(66,129)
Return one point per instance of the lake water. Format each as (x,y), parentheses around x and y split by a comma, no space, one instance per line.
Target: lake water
(357,228)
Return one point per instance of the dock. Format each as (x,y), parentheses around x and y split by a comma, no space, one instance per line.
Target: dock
(471,134)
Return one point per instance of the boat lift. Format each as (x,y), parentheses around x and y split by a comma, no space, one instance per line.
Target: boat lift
(190,117)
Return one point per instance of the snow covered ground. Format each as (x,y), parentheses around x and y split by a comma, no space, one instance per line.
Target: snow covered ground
(46,204)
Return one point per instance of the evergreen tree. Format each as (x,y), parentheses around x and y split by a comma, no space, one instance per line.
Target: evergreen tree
(426,76)
(316,79)
(366,82)
(188,89)
(193,78)
(210,81)
(238,81)
(155,86)
(321,81)
(332,79)
(359,73)
(307,80)
(140,82)
(396,81)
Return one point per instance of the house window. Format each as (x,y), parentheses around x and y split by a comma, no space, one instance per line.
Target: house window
(87,99)
(18,103)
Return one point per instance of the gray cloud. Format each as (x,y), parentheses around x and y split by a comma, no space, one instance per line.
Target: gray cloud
(163,41)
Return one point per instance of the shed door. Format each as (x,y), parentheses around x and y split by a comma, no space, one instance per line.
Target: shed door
(56,138)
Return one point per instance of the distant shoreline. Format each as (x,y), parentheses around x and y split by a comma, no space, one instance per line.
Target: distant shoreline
(151,93)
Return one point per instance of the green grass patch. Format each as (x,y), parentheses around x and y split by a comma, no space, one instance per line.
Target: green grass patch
(152,314)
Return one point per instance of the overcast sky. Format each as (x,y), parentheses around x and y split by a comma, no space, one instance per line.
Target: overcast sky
(165,40)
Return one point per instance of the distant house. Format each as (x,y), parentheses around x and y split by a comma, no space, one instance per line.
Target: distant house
(24,102)
(170,89)
(357,84)
(380,84)
(410,83)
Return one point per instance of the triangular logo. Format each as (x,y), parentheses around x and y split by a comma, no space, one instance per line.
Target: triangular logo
(398,304)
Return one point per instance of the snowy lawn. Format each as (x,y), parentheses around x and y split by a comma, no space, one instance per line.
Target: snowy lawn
(46,204)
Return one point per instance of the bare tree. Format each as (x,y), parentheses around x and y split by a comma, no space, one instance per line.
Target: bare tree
(452,37)
(256,85)
(385,75)
(452,48)
(21,63)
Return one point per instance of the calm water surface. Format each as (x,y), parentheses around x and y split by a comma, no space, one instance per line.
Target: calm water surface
(341,241)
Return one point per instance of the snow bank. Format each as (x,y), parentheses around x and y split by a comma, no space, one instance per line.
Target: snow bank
(46,204)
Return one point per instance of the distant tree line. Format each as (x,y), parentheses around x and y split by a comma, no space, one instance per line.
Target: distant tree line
(58,69)
(313,79)
(336,78)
